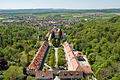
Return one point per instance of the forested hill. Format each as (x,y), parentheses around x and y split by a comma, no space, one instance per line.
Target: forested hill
(18,46)
(100,41)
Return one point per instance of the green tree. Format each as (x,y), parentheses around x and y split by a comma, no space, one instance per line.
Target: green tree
(52,60)
(61,57)
(53,35)
(92,58)
(1,53)
(14,73)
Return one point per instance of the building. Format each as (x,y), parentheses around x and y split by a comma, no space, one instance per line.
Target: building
(56,32)
(71,46)
(73,63)
(47,35)
(77,53)
(77,61)
(49,75)
(78,66)
(44,75)
(71,74)
(38,60)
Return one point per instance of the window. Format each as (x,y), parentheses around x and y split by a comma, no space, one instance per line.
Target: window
(65,74)
(42,75)
(77,74)
(71,74)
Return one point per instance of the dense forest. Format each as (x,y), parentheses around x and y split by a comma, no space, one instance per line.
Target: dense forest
(18,46)
(100,41)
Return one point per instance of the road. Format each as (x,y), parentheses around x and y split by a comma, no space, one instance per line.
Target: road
(57,78)
(56,57)
(49,40)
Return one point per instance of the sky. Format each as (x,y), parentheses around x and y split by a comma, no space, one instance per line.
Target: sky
(67,4)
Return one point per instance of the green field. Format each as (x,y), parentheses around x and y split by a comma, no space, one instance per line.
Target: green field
(63,15)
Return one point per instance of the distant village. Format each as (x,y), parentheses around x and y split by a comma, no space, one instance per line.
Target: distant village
(48,21)
(45,21)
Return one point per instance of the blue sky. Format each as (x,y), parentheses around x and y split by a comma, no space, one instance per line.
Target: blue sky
(69,4)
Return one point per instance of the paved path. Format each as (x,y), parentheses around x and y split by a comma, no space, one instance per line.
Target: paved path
(49,40)
(57,78)
(48,67)
(56,56)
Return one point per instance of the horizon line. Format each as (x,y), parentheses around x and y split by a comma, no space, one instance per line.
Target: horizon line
(56,8)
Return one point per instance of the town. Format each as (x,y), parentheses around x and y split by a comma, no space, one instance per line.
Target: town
(42,21)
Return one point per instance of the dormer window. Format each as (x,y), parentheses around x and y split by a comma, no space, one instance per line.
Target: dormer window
(42,75)
(71,74)
(65,74)
(77,74)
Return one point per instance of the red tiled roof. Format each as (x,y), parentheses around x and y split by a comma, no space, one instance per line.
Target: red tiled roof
(44,74)
(79,54)
(73,60)
(57,30)
(56,33)
(36,62)
(75,64)
(72,45)
(62,74)
(87,69)
(71,74)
